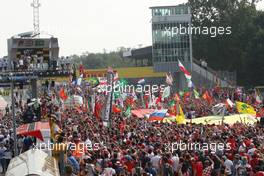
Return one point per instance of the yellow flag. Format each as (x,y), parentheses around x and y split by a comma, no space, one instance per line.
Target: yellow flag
(180,119)
(244,108)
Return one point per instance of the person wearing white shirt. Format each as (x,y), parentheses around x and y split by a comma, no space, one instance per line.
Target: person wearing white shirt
(228,165)
(252,150)
(7,156)
(21,63)
(175,163)
(108,171)
(155,161)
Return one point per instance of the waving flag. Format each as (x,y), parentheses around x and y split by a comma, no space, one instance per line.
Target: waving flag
(93,82)
(97,110)
(196,94)
(169,79)
(229,103)
(127,113)
(62,94)
(166,92)
(207,97)
(103,80)
(260,113)
(116,109)
(218,109)
(158,115)
(180,119)
(183,69)
(141,81)
(244,108)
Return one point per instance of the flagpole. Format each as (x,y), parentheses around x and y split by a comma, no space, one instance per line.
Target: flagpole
(223,115)
(178,109)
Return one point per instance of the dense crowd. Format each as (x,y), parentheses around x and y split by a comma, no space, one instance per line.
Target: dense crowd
(135,146)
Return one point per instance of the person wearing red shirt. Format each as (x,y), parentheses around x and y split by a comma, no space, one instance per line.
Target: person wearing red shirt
(232,142)
(130,165)
(254,162)
(198,168)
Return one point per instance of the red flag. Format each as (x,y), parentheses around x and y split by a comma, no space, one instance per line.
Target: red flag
(116,109)
(97,110)
(62,94)
(207,97)
(184,70)
(260,113)
(129,101)
(173,110)
(169,79)
(158,100)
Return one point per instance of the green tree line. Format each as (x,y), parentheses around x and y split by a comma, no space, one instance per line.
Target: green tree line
(241,51)
(103,60)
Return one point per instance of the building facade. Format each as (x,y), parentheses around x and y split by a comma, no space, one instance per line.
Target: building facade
(171,39)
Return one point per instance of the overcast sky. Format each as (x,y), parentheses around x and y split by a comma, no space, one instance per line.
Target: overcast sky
(84,25)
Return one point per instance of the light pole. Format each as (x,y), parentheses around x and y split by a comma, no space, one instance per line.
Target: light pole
(13,114)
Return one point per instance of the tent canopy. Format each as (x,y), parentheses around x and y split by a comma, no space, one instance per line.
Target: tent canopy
(33,162)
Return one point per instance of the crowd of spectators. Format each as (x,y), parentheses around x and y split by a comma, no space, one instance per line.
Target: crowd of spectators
(3,64)
(134,146)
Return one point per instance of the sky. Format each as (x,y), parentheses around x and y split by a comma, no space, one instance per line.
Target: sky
(84,25)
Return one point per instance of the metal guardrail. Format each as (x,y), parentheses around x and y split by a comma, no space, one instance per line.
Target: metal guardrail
(30,74)
(210,74)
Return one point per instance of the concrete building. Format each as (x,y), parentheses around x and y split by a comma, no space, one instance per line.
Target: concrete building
(172,41)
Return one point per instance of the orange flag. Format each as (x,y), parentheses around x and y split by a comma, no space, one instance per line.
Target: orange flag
(207,97)
(62,94)
(116,109)
(177,98)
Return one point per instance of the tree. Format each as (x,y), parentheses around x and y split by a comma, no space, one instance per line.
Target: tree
(238,50)
(102,60)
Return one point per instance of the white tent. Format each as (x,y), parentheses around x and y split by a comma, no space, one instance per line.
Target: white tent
(33,162)
(3,103)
